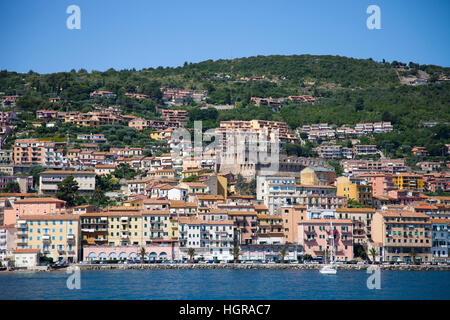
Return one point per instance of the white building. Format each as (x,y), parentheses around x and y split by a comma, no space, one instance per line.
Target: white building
(440,239)
(26,258)
(49,180)
(177,193)
(7,241)
(211,240)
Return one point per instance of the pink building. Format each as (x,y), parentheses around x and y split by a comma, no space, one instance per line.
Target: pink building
(33,206)
(245,225)
(138,124)
(314,234)
(382,183)
(166,251)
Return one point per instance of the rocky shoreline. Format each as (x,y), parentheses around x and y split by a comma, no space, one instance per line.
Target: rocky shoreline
(241,266)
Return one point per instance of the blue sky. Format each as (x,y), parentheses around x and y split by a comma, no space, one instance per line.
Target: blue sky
(140,34)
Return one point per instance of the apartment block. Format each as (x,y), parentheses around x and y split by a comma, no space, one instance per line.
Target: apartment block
(55,235)
(407,181)
(94,228)
(211,240)
(315,237)
(401,235)
(38,152)
(357,167)
(358,190)
(124,228)
(440,239)
(361,219)
(49,180)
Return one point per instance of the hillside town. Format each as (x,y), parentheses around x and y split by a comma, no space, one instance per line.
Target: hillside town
(80,199)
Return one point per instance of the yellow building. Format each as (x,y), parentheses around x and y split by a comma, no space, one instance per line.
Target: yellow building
(269,224)
(317,176)
(173,231)
(135,203)
(55,235)
(360,192)
(156,226)
(162,135)
(73,155)
(191,172)
(407,181)
(124,228)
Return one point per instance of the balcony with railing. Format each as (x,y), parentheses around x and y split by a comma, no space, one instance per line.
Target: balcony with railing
(21,224)
(71,238)
(46,238)
(21,241)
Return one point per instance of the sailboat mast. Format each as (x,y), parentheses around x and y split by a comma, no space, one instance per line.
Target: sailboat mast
(332,242)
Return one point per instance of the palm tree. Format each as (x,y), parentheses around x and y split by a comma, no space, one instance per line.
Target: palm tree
(142,254)
(373,252)
(191,254)
(236,253)
(413,255)
(283,254)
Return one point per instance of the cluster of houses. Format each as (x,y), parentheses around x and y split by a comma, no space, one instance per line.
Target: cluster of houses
(178,202)
(277,103)
(173,96)
(325,130)
(335,151)
(169,217)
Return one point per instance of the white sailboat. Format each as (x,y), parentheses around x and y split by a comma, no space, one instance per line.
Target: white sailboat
(330,268)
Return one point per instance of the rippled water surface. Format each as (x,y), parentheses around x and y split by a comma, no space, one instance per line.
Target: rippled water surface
(226,284)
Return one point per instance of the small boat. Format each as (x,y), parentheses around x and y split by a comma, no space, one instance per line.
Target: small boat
(330,268)
(59,265)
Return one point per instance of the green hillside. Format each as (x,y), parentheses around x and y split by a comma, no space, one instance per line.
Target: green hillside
(348,91)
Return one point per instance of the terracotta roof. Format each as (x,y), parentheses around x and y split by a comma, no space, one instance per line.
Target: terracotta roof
(67,172)
(265,216)
(182,204)
(155,212)
(209,197)
(327,221)
(242,213)
(403,213)
(94,214)
(26,251)
(195,184)
(18,194)
(242,196)
(156,201)
(50,217)
(355,210)
(123,213)
(260,207)
(199,221)
(444,221)
(39,200)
